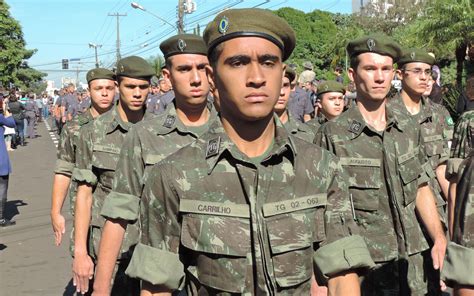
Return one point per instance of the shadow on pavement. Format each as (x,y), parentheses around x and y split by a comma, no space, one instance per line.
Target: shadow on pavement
(12,208)
(2,247)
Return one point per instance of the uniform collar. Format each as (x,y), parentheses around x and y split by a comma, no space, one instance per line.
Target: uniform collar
(169,121)
(425,115)
(114,121)
(218,146)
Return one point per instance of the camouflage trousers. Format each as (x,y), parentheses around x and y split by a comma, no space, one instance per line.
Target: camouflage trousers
(411,276)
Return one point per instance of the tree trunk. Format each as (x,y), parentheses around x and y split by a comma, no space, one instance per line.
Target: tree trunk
(460,55)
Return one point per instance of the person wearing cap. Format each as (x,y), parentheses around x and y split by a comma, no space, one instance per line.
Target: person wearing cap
(435,122)
(307,75)
(242,209)
(148,142)
(97,154)
(293,126)
(381,149)
(101,83)
(329,101)
(153,97)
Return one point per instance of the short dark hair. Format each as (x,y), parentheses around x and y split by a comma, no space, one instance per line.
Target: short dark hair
(215,54)
(354,62)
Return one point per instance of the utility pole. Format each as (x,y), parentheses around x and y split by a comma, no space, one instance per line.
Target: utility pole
(95,46)
(118,15)
(180,22)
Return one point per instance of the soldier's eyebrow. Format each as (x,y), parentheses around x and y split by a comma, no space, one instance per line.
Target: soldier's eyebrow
(268,58)
(244,59)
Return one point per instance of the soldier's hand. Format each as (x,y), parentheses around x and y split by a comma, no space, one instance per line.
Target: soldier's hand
(83,271)
(438,251)
(59,227)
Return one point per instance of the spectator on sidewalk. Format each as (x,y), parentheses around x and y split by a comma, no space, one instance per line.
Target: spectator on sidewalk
(18,112)
(6,120)
(39,105)
(31,110)
(45,100)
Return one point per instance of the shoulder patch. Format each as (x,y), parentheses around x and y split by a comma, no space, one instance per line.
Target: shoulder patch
(169,121)
(355,127)
(449,121)
(213,146)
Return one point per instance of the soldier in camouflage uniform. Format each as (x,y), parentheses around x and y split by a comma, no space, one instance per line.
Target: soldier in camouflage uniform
(293,126)
(457,269)
(436,125)
(380,149)
(246,208)
(152,140)
(462,143)
(102,87)
(330,100)
(97,155)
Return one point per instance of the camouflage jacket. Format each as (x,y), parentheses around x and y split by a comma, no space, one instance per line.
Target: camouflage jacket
(436,126)
(66,155)
(97,155)
(463,142)
(460,252)
(222,223)
(385,169)
(298,129)
(147,143)
(316,123)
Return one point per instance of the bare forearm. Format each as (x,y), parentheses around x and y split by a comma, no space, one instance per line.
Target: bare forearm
(110,242)
(344,284)
(82,217)
(426,209)
(306,117)
(451,203)
(60,188)
(442,181)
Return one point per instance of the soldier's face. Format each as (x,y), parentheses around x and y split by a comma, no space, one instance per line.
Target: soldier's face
(415,78)
(133,92)
(164,85)
(248,75)
(155,89)
(429,86)
(332,104)
(373,76)
(102,93)
(282,102)
(188,77)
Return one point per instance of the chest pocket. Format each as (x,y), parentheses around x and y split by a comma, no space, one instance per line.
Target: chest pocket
(293,226)
(217,240)
(105,158)
(434,145)
(410,170)
(151,159)
(365,181)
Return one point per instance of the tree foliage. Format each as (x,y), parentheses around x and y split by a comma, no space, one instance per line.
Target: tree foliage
(157,63)
(14,68)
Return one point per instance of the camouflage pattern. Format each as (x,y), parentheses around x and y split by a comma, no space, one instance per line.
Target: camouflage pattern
(436,126)
(298,129)
(385,169)
(460,253)
(147,143)
(66,154)
(218,222)
(317,122)
(97,155)
(463,142)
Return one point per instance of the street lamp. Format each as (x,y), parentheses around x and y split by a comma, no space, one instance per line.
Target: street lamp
(138,6)
(95,46)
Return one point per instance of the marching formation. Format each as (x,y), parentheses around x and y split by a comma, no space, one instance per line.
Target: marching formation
(232,174)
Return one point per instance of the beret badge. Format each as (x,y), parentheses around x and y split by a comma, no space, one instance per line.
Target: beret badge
(223,25)
(371,44)
(181,45)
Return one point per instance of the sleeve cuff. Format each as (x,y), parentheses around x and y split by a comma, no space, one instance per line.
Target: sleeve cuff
(84,175)
(342,255)
(64,167)
(122,206)
(453,167)
(157,267)
(458,265)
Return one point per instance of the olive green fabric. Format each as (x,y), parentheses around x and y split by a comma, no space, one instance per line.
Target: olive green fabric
(250,22)
(298,129)
(134,67)
(243,227)
(458,265)
(415,56)
(330,86)
(99,73)
(463,142)
(290,73)
(380,44)
(183,44)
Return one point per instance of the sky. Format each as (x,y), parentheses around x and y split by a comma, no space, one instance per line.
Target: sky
(63,29)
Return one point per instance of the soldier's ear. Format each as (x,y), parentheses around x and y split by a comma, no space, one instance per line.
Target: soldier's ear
(399,74)
(211,77)
(352,74)
(166,73)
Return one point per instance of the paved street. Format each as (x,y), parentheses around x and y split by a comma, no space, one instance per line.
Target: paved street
(30,263)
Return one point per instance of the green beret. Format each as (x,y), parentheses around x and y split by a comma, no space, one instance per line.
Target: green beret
(183,43)
(250,22)
(134,67)
(290,73)
(99,73)
(414,56)
(382,45)
(330,86)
